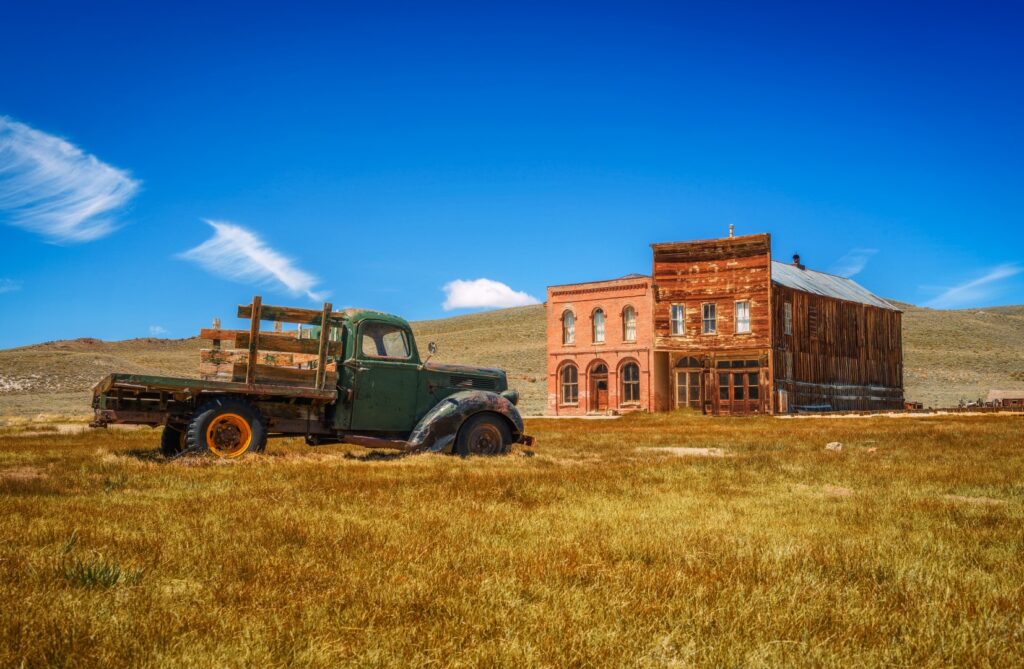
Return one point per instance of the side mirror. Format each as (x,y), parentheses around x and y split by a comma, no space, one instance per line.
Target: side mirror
(431,348)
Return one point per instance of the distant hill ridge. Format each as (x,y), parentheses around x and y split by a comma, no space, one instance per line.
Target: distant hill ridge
(949,355)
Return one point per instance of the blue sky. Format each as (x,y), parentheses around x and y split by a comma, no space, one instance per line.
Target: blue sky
(159,165)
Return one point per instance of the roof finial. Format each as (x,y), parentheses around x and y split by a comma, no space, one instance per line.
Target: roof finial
(731,229)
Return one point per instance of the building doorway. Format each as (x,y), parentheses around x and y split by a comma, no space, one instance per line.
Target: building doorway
(599,387)
(739,387)
(689,386)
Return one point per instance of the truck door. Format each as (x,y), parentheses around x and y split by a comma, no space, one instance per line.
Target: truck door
(385,379)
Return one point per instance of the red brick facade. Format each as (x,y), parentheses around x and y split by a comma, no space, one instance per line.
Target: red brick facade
(588,372)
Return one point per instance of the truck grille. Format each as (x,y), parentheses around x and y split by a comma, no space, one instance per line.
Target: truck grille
(472,382)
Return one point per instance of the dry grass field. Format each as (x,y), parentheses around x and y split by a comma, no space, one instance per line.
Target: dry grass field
(949,355)
(903,549)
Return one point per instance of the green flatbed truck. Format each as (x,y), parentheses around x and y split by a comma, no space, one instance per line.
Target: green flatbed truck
(360,379)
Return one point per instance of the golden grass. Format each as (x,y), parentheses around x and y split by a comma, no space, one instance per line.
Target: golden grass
(595,552)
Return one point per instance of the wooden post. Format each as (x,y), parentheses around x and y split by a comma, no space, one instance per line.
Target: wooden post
(254,339)
(325,333)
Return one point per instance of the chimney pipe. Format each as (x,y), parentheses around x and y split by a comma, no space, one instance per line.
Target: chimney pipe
(796,261)
(731,228)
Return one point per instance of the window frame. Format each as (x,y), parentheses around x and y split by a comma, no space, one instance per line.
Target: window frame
(787,317)
(704,318)
(361,340)
(623,382)
(672,319)
(736,316)
(568,332)
(562,384)
(626,324)
(599,311)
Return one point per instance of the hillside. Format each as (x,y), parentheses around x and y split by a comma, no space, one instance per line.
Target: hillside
(949,355)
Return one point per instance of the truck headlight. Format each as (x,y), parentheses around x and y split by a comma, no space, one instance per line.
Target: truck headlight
(511,395)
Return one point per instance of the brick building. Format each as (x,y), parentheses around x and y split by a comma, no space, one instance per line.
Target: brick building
(600,342)
(721,328)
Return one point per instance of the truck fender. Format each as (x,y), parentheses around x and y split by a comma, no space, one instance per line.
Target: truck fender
(437,430)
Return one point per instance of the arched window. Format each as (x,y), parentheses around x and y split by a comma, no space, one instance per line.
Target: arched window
(630,377)
(568,327)
(629,324)
(689,363)
(570,382)
(598,325)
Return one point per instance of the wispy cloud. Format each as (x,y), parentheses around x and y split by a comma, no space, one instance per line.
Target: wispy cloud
(9,285)
(970,293)
(483,293)
(50,186)
(853,262)
(157,330)
(240,255)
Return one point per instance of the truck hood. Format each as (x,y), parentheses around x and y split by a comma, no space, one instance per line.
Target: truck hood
(448,368)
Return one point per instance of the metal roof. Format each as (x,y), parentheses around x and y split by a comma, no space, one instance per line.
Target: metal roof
(828,285)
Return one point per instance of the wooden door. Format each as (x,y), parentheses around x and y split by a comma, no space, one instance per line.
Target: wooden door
(739,391)
(599,393)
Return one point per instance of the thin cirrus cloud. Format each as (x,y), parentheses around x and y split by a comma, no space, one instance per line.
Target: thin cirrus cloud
(853,262)
(970,293)
(239,254)
(52,187)
(483,294)
(9,285)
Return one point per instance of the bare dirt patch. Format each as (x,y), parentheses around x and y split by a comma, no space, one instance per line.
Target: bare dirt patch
(22,474)
(977,501)
(687,451)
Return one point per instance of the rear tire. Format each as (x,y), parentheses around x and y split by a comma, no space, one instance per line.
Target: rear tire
(227,427)
(484,434)
(172,442)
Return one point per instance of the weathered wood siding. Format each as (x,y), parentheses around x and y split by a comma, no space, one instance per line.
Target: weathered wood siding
(722,272)
(841,355)
(719,271)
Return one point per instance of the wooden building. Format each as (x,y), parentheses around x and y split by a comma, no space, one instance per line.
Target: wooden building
(1005,399)
(736,333)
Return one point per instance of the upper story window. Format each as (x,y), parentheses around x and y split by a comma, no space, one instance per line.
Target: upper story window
(568,327)
(710,319)
(677,319)
(629,324)
(742,316)
(599,326)
(382,340)
(787,317)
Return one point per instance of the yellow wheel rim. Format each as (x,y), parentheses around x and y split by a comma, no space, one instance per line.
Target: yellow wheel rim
(229,435)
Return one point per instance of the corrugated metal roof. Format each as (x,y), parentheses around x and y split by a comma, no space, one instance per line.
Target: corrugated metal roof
(828,285)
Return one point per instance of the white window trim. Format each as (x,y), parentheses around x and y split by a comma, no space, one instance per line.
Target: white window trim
(682,320)
(736,322)
(593,325)
(625,324)
(703,319)
(787,318)
(568,340)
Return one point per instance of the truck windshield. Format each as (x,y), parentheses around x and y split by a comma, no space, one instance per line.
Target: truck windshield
(381,340)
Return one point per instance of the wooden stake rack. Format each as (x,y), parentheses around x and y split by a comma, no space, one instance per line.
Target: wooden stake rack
(275,357)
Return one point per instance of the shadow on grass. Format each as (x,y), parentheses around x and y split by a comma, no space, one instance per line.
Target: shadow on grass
(377,456)
(145,455)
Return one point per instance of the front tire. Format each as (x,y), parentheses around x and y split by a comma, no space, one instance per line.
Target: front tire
(228,427)
(484,434)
